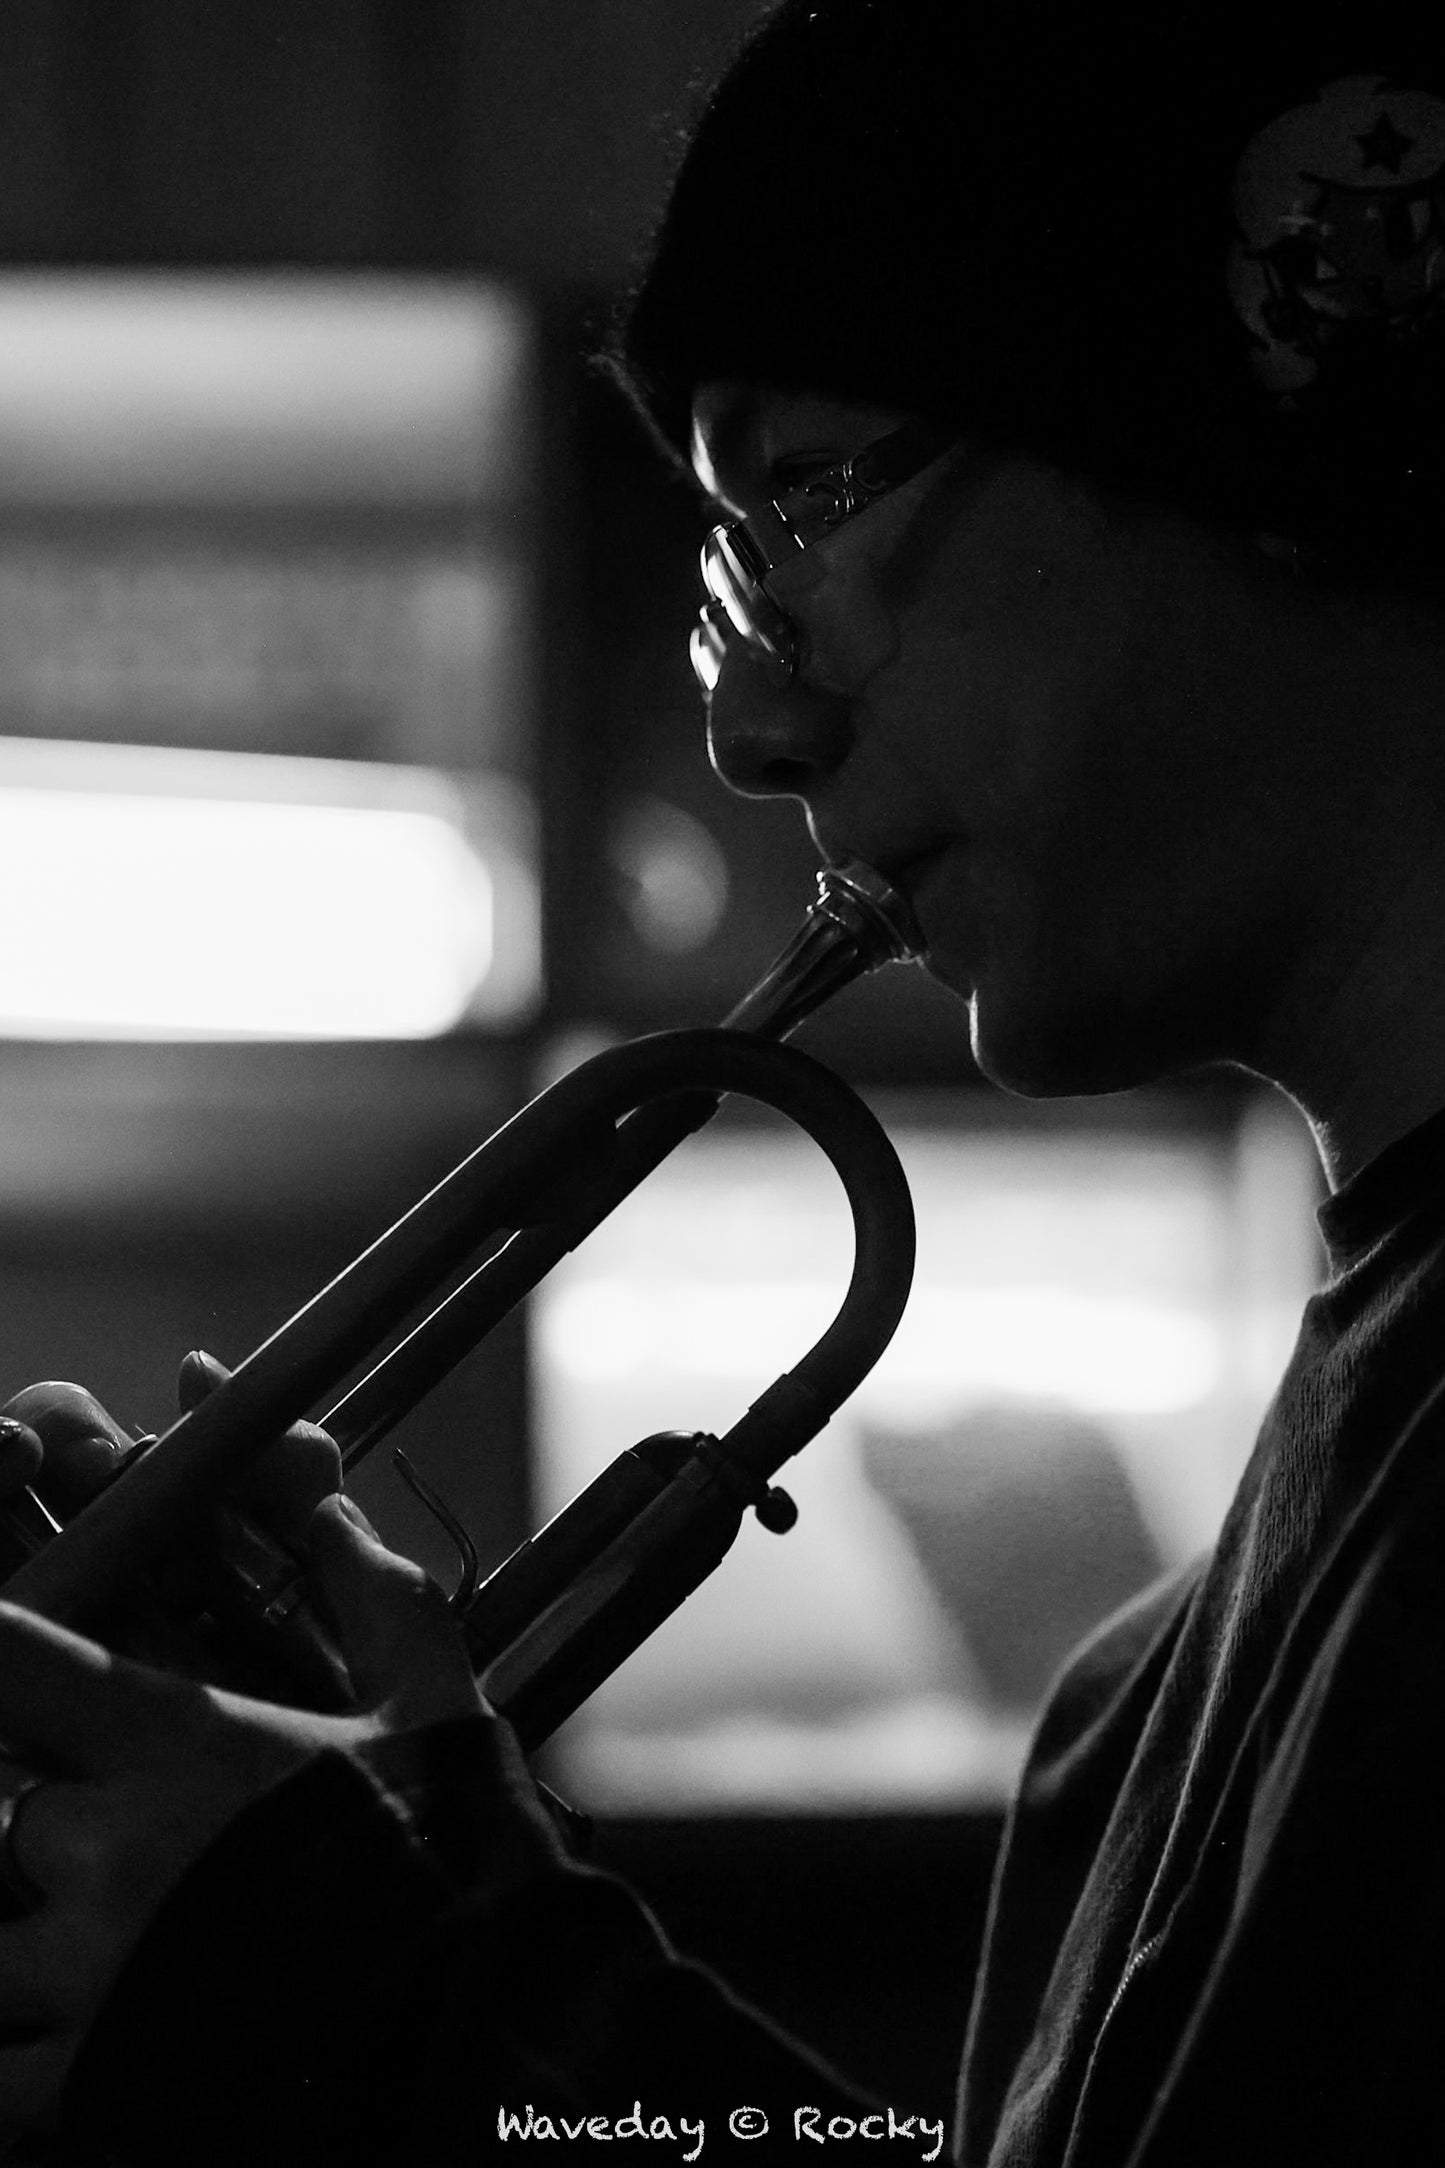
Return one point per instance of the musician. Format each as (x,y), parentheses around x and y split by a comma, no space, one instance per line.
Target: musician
(1095,354)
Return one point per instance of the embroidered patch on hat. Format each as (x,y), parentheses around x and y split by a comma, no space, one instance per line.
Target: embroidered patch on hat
(1341,214)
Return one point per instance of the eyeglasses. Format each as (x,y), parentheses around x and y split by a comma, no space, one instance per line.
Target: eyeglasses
(738,558)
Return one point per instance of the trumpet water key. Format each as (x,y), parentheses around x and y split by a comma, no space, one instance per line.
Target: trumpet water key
(559,1615)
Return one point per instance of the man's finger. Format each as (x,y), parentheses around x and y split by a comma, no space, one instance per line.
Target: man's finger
(67,1702)
(288,1480)
(83,1442)
(52,1828)
(21,1454)
(400,1642)
(199,1375)
(286,1483)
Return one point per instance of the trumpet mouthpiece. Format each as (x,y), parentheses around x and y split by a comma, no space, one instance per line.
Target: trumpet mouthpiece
(858,921)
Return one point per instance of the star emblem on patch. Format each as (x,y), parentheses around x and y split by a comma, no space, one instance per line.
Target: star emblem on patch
(1384,145)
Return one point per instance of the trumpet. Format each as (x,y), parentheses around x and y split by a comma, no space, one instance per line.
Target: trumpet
(572,1602)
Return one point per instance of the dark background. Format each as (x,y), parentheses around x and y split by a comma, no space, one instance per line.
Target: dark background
(528,139)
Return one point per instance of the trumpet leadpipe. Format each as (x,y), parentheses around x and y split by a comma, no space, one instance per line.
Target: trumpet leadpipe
(857,922)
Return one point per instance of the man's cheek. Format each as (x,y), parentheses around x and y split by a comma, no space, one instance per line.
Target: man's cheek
(850,632)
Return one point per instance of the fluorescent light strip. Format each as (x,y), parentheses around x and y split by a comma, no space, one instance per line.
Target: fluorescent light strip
(229,895)
(265,389)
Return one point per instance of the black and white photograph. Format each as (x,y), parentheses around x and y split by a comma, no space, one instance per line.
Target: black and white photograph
(722,1083)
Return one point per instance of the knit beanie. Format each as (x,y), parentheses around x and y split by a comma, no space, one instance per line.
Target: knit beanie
(1197,249)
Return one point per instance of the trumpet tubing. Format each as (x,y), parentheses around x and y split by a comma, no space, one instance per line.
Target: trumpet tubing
(558,1616)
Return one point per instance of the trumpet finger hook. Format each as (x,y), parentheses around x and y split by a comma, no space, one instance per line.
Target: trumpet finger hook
(441,1512)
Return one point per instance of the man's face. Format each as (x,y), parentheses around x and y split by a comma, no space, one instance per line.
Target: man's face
(1047,718)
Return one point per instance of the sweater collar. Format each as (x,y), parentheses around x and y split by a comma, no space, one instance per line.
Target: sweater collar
(1386,1192)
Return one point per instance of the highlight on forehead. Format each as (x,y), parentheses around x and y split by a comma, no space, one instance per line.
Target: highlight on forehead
(726,422)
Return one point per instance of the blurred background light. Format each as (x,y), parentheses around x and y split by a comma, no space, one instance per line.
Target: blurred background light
(1098,1317)
(263,390)
(674,877)
(1105,1354)
(155,892)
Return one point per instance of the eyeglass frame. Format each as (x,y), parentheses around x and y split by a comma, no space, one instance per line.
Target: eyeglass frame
(763,543)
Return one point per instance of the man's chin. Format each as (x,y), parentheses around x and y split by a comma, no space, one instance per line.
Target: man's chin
(1058,1051)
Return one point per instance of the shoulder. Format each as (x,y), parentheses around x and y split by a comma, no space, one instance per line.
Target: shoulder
(1354,1709)
(1099,1698)
(1129,1636)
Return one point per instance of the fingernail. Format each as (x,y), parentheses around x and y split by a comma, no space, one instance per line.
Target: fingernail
(354,1514)
(200,1374)
(14,1432)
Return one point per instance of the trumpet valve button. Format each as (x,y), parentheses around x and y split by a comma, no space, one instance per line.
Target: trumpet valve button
(776,1510)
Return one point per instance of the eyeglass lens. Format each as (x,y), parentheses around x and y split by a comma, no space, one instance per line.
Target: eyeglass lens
(739,596)
(705,647)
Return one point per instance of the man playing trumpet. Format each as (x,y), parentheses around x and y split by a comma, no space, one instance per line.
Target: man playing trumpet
(1068,384)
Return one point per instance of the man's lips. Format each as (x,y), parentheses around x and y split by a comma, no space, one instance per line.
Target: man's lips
(915,880)
(921,871)
(906,869)
(910,872)
(898,863)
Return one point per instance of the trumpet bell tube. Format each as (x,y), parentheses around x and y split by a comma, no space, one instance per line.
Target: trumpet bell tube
(572,1602)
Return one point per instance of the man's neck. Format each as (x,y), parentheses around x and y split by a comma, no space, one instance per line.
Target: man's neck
(1362,1047)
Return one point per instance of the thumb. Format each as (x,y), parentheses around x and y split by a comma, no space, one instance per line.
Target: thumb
(402,1647)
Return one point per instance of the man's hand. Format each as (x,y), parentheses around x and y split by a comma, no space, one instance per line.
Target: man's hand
(21,1454)
(84,1444)
(140,1770)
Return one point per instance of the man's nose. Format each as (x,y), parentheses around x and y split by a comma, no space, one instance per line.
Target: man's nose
(772,741)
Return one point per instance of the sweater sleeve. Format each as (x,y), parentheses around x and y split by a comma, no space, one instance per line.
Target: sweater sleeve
(374,1963)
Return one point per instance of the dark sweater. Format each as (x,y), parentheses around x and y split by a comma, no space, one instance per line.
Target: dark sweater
(1218,1931)
(1215,1932)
